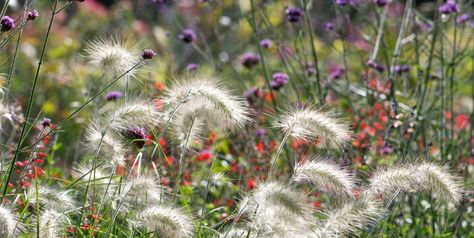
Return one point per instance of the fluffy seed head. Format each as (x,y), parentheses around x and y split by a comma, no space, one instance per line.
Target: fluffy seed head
(350,218)
(437,179)
(112,145)
(327,176)
(8,221)
(203,100)
(143,190)
(166,222)
(51,224)
(310,124)
(277,210)
(112,53)
(132,114)
(387,182)
(51,199)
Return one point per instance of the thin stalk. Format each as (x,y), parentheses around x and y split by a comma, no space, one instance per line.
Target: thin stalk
(184,149)
(314,54)
(277,155)
(30,101)
(17,46)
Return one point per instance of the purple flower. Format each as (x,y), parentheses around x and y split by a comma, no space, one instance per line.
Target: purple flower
(328,26)
(401,68)
(192,67)
(279,80)
(342,2)
(387,150)
(266,43)
(113,95)
(252,94)
(462,19)
(310,69)
(260,132)
(32,15)
(336,73)
(249,60)
(382,3)
(294,14)
(187,36)
(7,23)
(448,7)
(376,66)
(46,122)
(138,134)
(148,54)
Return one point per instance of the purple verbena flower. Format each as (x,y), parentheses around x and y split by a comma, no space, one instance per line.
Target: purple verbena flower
(376,66)
(279,80)
(148,54)
(450,6)
(137,134)
(382,3)
(401,68)
(342,2)
(328,26)
(252,94)
(249,60)
(187,36)
(113,95)
(46,122)
(336,73)
(294,14)
(192,67)
(260,132)
(32,15)
(266,43)
(7,23)
(462,19)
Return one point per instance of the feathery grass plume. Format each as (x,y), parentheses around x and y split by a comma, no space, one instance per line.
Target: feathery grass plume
(113,53)
(425,177)
(132,114)
(350,218)
(112,145)
(166,222)
(51,199)
(438,180)
(235,232)
(277,210)
(96,178)
(142,190)
(8,221)
(52,224)
(310,124)
(389,181)
(327,176)
(203,99)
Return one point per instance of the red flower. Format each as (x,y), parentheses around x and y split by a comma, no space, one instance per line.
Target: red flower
(251,183)
(204,156)
(461,121)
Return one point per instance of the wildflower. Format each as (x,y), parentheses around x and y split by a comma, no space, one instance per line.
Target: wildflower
(401,68)
(309,124)
(148,54)
(266,43)
(382,3)
(294,14)
(252,94)
(187,36)
(450,6)
(113,95)
(166,222)
(342,2)
(279,80)
(249,60)
(260,132)
(328,26)
(46,122)
(137,135)
(192,67)
(462,19)
(376,66)
(336,73)
(32,15)
(325,175)
(7,23)
(113,53)
(204,155)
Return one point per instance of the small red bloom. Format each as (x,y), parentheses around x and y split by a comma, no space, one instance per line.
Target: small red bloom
(251,183)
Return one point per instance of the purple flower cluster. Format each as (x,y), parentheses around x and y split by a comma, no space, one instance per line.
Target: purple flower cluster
(382,3)
(252,94)
(336,73)
(32,15)
(187,36)
(138,134)
(249,60)
(279,80)
(342,2)
(462,19)
(399,69)
(448,7)
(294,14)
(328,26)
(266,43)
(148,54)
(113,95)
(7,23)
(376,66)
(192,67)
